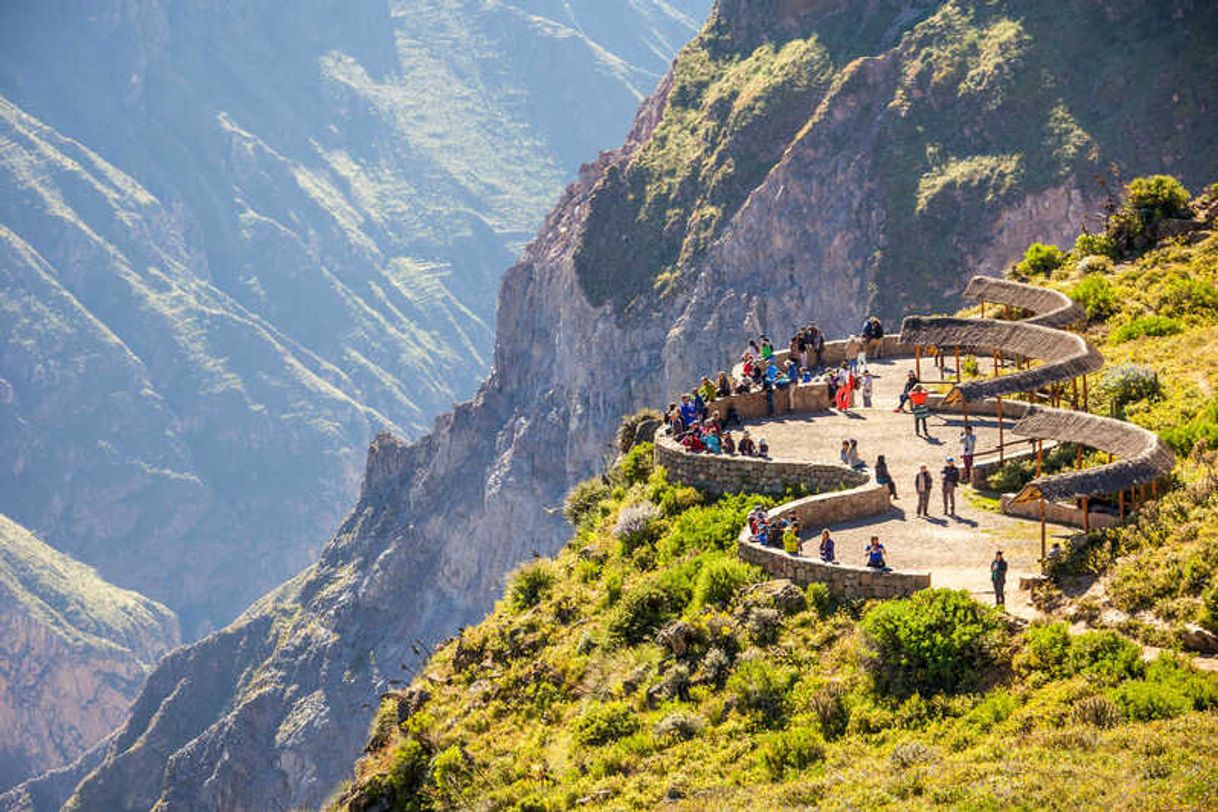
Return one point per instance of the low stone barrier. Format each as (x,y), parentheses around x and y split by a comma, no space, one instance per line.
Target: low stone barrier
(722,473)
(805,397)
(1057,513)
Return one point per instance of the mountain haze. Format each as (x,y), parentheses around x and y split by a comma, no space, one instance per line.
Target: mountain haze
(239,240)
(801,160)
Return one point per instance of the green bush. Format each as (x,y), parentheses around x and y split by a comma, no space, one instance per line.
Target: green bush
(1091,245)
(938,641)
(636,465)
(628,429)
(1152,325)
(1148,201)
(530,583)
(720,579)
(636,526)
(1010,477)
(1129,383)
(762,689)
(641,611)
(403,784)
(1105,656)
(1203,427)
(451,774)
(1143,701)
(1189,297)
(1097,297)
(708,527)
(584,501)
(1040,260)
(603,723)
(1209,607)
(679,726)
(1046,650)
(789,751)
(820,599)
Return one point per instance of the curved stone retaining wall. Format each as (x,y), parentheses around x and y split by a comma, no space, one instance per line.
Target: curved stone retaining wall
(721,473)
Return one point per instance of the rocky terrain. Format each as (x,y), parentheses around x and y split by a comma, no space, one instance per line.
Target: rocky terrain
(74,651)
(237,242)
(803,160)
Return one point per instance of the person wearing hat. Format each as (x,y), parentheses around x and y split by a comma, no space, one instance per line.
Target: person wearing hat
(951,478)
(998,576)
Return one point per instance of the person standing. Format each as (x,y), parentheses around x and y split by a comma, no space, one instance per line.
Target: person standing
(866,388)
(922,484)
(968,445)
(951,478)
(921,411)
(998,576)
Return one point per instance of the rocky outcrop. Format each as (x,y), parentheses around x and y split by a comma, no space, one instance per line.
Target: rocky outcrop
(74,651)
(827,232)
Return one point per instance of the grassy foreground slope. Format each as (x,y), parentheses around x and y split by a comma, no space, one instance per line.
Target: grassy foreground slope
(646,665)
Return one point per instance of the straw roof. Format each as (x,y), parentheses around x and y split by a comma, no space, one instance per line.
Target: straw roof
(1052,308)
(1065,355)
(1143,457)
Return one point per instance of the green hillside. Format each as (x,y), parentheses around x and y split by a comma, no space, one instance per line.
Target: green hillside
(564,697)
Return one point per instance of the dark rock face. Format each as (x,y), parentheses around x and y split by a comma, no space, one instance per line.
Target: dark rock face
(440,521)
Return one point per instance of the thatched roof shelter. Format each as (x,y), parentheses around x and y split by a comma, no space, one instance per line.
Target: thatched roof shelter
(1142,456)
(1065,355)
(1051,308)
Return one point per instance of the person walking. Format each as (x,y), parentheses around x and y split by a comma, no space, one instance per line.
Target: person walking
(968,445)
(866,387)
(950,480)
(922,484)
(998,576)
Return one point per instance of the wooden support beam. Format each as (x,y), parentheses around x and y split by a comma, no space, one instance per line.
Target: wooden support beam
(1074,394)
(1078,456)
(1044,553)
(1121,504)
(1086,514)
(1001,444)
(918,360)
(1040,456)
(957,364)
(1085,409)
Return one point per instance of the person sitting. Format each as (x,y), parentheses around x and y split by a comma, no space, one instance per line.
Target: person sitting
(699,404)
(817,345)
(805,375)
(852,456)
(763,449)
(911,380)
(689,411)
(875,555)
(844,454)
(728,444)
(733,418)
(827,547)
(741,387)
(723,386)
(693,442)
(711,440)
(790,537)
(753,351)
(767,349)
(707,390)
(714,422)
(746,446)
(882,477)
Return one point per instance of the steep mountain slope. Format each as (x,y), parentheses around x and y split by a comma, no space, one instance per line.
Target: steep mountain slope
(240,240)
(73,653)
(439,522)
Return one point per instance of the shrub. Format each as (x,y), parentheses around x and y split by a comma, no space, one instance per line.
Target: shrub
(1129,383)
(583,502)
(820,599)
(680,726)
(384,724)
(1209,607)
(720,579)
(715,667)
(762,689)
(603,723)
(1148,201)
(1152,325)
(628,429)
(636,465)
(789,751)
(1143,701)
(1040,260)
(1046,650)
(451,774)
(709,527)
(530,583)
(636,525)
(1189,297)
(1094,245)
(937,641)
(1010,477)
(1098,711)
(829,705)
(641,611)
(1104,655)
(1097,296)
(763,625)
(1203,427)
(404,781)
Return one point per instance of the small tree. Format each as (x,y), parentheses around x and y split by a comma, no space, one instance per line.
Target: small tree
(1040,260)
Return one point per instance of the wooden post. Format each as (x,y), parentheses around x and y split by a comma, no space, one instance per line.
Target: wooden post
(957,364)
(918,360)
(1040,455)
(1078,457)
(1044,553)
(1074,393)
(1121,504)
(996,367)
(983,308)
(1154,488)
(1008,312)
(1086,515)
(1001,451)
(1085,394)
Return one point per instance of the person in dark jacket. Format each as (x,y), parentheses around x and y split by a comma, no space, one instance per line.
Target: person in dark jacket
(882,477)
(827,547)
(911,380)
(950,476)
(922,484)
(998,577)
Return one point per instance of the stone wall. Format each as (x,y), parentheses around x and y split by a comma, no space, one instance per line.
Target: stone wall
(720,473)
(1056,513)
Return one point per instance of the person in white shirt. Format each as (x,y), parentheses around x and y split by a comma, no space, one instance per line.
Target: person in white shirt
(968,445)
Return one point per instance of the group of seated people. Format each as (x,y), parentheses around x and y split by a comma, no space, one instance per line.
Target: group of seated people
(777,531)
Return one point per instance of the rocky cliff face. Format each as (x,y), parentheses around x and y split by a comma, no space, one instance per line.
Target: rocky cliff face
(894,178)
(239,241)
(74,651)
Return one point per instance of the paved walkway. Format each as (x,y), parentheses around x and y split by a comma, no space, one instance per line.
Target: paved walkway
(956,550)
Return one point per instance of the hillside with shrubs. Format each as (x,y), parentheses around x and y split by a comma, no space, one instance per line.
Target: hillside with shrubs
(645,666)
